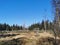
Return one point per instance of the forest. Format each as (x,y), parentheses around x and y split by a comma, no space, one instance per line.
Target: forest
(49,25)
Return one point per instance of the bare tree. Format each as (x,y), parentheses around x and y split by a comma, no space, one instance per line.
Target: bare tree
(56,8)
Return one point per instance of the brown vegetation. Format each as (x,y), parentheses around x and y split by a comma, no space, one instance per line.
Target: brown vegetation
(31,38)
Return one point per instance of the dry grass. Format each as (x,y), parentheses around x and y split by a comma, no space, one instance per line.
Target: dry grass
(31,38)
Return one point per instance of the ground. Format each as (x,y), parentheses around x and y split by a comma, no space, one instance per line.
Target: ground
(29,38)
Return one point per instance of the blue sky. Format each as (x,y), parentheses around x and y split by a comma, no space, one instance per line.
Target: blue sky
(24,11)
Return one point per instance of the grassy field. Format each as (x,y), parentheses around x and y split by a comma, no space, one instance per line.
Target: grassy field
(28,38)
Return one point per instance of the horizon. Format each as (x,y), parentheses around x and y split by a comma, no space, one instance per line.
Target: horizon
(26,12)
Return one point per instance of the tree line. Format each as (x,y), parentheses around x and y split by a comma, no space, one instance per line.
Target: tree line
(49,26)
(42,25)
(8,27)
